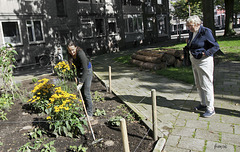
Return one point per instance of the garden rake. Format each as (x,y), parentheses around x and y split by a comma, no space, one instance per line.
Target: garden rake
(89,123)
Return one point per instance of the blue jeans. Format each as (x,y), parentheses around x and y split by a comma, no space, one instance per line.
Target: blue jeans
(86,92)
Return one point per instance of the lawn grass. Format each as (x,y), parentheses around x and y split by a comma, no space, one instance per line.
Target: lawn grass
(183,74)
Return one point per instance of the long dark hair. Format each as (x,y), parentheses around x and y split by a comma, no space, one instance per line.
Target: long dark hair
(70,57)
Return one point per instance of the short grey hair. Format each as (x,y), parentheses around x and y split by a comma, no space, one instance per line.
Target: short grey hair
(194,19)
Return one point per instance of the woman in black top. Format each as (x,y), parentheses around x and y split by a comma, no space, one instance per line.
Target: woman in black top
(83,65)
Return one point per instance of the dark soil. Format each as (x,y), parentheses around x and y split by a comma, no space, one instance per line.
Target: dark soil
(14,131)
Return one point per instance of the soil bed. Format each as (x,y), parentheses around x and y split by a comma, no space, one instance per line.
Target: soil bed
(14,131)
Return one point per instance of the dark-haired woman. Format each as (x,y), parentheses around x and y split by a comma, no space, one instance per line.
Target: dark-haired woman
(83,65)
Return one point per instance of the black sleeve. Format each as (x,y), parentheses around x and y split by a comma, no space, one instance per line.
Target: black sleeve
(84,61)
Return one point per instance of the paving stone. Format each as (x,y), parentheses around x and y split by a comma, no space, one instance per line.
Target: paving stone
(183,131)
(218,147)
(191,143)
(175,149)
(237,148)
(188,115)
(207,135)
(197,124)
(237,129)
(173,140)
(180,122)
(221,127)
(231,119)
(231,139)
(166,110)
(166,118)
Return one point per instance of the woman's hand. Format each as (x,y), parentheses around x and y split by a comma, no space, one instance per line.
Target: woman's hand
(79,86)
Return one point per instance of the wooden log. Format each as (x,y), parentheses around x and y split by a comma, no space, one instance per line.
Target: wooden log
(147,58)
(153,53)
(169,59)
(178,63)
(181,57)
(149,65)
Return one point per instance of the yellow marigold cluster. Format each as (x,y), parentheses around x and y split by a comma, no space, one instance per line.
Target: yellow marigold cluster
(61,100)
(42,85)
(41,89)
(62,66)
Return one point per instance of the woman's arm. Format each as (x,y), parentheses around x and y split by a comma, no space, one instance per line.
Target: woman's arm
(211,44)
(84,62)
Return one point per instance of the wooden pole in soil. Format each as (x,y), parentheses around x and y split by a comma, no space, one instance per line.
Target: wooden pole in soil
(110,79)
(154,114)
(124,135)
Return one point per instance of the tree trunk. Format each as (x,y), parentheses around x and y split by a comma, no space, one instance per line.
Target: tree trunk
(229,18)
(208,15)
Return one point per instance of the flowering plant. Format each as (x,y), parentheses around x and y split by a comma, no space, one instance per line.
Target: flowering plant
(41,93)
(63,114)
(63,70)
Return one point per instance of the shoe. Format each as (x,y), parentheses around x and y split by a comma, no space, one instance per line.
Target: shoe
(208,113)
(200,107)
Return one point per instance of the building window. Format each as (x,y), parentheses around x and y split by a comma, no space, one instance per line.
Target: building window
(11,33)
(99,1)
(162,26)
(35,31)
(159,1)
(132,2)
(60,8)
(99,24)
(133,23)
(86,28)
(149,24)
(83,0)
(112,26)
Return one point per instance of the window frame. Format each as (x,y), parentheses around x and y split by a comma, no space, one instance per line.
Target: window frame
(87,24)
(161,2)
(95,2)
(80,1)
(134,18)
(112,20)
(164,18)
(33,31)
(150,24)
(19,28)
(104,27)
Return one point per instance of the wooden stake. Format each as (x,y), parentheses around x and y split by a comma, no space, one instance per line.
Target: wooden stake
(110,79)
(154,114)
(124,135)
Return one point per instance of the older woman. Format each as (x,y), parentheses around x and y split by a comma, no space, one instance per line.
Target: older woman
(202,45)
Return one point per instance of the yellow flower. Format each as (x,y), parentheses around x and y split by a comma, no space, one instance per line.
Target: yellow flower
(57,109)
(66,108)
(49,117)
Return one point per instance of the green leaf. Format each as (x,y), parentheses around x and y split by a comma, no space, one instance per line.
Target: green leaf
(68,126)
